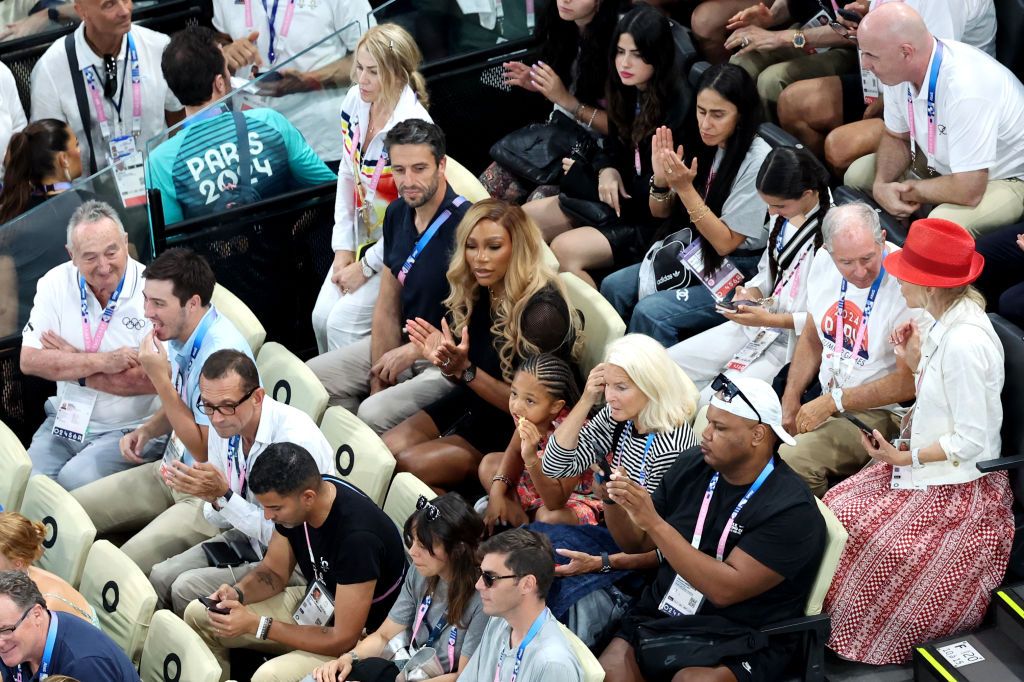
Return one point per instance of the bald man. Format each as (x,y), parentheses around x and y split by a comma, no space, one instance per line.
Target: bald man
(964,162)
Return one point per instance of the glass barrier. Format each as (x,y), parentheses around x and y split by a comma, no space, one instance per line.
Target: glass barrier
(33,243)
(446,29)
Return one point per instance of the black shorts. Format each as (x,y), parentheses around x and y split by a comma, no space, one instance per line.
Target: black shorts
(853,97)
(463,413)
(765,665)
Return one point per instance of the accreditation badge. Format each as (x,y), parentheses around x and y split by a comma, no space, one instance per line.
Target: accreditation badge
(74,413)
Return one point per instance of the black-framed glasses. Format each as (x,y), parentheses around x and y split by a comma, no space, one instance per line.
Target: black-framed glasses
(110,72)
(729,390)
(429,509)
(489,578)
(226,410)
(9,631)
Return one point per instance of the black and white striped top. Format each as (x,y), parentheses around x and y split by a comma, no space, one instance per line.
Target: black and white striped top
(595,442)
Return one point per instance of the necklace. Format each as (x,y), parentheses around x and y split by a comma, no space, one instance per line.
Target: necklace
(496,301)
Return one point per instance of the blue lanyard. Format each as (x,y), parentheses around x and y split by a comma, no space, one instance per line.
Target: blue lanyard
(698,532)
(435,632)
(197,343)
(92,343)
(933,81)
(534,629)
(425,238)
(642,476)
(236,457)
(840,330)
(51,640)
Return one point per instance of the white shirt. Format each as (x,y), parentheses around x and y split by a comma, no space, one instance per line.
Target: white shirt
(960,378)
(279,423)
(58,308)
(875,359)
(979,114)
(969,21)
(53,91)
(312,21)
(12,116)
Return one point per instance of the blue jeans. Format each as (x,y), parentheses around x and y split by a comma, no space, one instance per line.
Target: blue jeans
(667,316)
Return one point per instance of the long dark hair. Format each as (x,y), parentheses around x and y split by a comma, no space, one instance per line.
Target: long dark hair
(449,521)
(31,156)
(563,41)
(736,86)
(652,33)
(788,172)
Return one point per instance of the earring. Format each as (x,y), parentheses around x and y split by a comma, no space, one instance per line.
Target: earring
(67,173)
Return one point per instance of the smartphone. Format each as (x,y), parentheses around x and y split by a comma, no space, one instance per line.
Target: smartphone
(850,15)
(864,428)
(269,76)
(211,606)
(731,305)
(606,468)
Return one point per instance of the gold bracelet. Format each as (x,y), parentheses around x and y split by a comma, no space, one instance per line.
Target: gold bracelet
(590,123)
(662,197)
(701,214)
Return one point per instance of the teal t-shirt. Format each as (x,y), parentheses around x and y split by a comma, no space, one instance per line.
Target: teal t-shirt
(192,168)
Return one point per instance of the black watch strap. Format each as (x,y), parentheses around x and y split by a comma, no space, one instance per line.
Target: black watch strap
(241,597)
(606,563)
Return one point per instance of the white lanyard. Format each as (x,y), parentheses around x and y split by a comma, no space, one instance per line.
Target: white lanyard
(312,561)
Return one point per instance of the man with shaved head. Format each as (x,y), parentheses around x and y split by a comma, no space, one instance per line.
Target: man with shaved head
(953,144)
(84,331)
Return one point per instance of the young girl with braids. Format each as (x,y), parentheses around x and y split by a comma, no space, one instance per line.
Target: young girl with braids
(544,390)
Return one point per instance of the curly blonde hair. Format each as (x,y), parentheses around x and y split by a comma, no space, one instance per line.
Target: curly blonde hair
(20,538)
(527,274)
(398,60)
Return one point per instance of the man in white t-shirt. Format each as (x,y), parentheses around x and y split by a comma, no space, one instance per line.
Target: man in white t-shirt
(967,157)
(83,332)
(126,101)
(244,420)
(266,33)
(847,287)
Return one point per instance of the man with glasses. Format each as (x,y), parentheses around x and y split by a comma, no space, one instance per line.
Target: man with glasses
(105,81)
(35,641)
(348,550)
(522,641)
(244,421)
(178,286)
(740,541)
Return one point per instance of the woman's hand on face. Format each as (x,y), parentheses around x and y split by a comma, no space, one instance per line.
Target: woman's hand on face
(529,441)
(610,188)
(594,390)
(518,74)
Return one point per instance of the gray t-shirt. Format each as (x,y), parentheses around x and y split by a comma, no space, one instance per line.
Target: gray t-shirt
(548,657)
(407,606)
(744,211)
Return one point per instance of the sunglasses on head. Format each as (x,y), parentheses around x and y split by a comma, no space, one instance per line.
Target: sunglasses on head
(429,509)
(729,390)
(489,578)
(110,70)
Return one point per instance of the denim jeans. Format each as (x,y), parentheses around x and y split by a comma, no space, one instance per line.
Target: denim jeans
(667,316)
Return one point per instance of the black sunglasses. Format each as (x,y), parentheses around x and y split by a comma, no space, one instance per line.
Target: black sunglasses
(226,410)
(110,69)
(429,509)
(729,390)
(489,578)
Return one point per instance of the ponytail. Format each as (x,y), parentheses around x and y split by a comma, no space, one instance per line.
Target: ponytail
(419,85)
(31,156)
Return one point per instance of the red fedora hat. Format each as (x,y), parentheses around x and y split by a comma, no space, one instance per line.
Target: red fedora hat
(937,253)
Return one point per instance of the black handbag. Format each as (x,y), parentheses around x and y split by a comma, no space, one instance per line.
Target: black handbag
(536,151)
(667,645)
(579,199)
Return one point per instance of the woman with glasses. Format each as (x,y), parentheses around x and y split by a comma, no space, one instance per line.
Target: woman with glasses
(438,606)
(930,534)
(21,545)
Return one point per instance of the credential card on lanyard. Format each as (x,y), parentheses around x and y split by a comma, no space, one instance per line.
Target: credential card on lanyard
(74,412)
(753,349)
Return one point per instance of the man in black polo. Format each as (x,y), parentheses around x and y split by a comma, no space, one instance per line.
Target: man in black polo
(383,378)
(739,535)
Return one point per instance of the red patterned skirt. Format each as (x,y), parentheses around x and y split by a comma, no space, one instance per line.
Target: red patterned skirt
(919,564)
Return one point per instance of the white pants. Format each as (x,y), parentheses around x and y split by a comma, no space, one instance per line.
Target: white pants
(342,319)
(704,356)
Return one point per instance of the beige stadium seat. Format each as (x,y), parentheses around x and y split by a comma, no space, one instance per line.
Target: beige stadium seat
(121,595)
(241,316)
(15,468)
(360,456)
(173,651)
(834,545)
(402,496)
(288,380)
(700,422)
(592,670)
(601,324)
(69,531)
(464,182)
(549,257)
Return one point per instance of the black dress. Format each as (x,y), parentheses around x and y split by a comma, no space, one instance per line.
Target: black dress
(546,323)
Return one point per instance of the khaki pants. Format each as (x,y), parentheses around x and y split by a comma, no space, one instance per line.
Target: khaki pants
(1003,203)
(292,666)
(774,70)
(167,522)
(833,450)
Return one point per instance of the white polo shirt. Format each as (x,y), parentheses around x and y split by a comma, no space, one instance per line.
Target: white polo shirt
(57,308)
(313,113)
(279,423)
(969,21)
(53,91)
(12,116)
(979,114)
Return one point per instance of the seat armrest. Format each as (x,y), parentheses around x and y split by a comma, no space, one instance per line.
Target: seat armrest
(818,623)
(1000,464)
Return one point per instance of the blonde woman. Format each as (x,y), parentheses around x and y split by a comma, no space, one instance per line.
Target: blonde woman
(21,545)
(504,305)
(388,89)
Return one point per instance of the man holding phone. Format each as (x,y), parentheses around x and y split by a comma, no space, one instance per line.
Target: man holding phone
(244,421)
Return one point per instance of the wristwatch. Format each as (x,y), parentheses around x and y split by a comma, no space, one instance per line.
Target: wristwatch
(837,398)
(354,656)
(799,40)
(468,374)
(368,272)
(606,563)
(915,458)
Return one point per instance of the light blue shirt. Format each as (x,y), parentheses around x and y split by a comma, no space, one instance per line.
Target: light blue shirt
(220,334)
